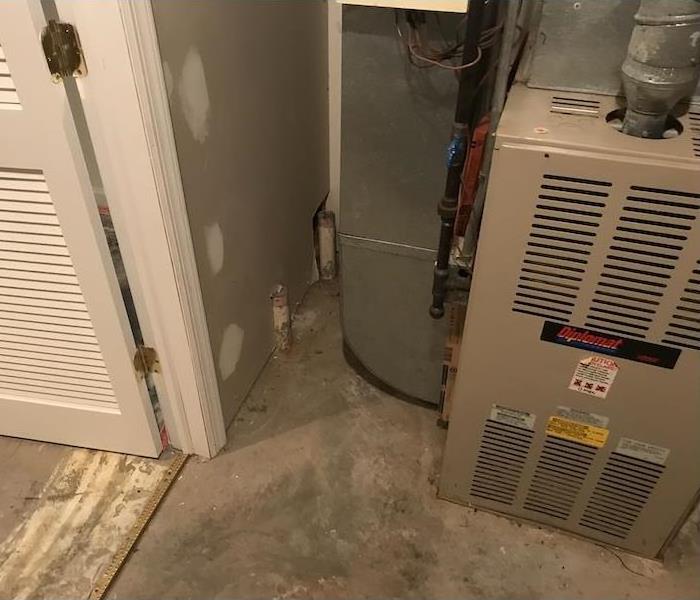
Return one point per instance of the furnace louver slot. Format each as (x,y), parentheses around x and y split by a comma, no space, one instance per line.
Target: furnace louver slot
(565,223)
(560,473)
(570,105)
(503,451)
(694,118)
(684,328)
(641,260)
(620,494)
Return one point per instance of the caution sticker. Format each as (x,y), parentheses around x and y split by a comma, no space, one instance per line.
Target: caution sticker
(574,431)
(594,376)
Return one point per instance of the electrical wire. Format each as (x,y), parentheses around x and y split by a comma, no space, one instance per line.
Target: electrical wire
(442,65)
(622,562)
(429,57)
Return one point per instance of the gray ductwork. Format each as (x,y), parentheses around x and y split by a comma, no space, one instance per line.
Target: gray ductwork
(662,65)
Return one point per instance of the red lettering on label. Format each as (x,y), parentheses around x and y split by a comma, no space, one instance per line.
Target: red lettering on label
(590,339)
(648,359)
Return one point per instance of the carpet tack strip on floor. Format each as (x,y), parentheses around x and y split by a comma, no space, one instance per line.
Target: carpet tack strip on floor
(110,572)
(70,530)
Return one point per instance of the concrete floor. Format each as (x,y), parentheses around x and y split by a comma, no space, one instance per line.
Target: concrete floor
(25,467)
(327,490)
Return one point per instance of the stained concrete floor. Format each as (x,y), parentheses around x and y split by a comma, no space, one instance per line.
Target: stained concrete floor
(327,490)
(25,467)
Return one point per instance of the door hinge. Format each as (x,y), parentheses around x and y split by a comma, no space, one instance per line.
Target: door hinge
(146,361)
(63,52)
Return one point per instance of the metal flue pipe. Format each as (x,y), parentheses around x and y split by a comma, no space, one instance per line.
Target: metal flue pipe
(662,65)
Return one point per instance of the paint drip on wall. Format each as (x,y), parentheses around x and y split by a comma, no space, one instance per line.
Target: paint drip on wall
(194,95)
(230,351)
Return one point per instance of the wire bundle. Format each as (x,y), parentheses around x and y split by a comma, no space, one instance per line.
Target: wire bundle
(424,55)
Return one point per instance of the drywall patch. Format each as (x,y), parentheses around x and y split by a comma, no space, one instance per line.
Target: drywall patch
(214,240)
(230,351)
(169,80)
(695,39)
(194,96)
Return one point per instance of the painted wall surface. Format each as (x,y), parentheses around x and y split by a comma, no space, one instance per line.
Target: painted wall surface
(247,83)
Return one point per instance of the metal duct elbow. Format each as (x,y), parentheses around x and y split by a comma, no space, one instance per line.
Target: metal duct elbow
(662,64)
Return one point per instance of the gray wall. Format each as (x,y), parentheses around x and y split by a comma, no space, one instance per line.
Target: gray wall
(247,82)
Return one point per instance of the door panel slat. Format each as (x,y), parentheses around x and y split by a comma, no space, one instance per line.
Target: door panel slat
(34,359)
(65,395)
(36,267)
(25,274)
(47,286)
(10,345)
(67,380)
(84,330)
(37,249)
(24,175)
(32,228)
(88,381)
(43,314)
(13,182)
(27,218)
(19,196)
(36,258)
(18,292)
(76,309)
(24,337)
(30,238)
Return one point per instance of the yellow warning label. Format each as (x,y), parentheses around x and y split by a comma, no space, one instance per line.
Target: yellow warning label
(577,432)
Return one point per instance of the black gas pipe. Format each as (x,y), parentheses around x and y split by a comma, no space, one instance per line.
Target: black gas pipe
(470,77)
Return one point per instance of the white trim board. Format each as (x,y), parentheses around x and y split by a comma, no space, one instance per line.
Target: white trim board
(458,6)
(126,107)
(335,61)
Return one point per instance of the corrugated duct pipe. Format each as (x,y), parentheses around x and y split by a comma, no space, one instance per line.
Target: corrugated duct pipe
(662,65)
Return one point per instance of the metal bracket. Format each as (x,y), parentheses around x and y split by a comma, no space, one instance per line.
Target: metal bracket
(63,52)
(146,361)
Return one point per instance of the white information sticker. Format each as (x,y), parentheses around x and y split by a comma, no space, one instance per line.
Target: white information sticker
(643,451)
(512,416)
(594,376)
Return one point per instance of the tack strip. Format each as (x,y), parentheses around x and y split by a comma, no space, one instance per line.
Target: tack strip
(110,572)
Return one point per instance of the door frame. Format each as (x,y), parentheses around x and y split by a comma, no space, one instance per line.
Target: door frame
(126,107)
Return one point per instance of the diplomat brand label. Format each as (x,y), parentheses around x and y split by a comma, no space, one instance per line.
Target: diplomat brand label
(614,345)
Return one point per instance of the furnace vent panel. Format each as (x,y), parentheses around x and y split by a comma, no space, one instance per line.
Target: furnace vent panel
(577,393)
(639,259)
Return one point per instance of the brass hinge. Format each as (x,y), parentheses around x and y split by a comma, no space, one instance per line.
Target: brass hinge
(63,52)
(146,361)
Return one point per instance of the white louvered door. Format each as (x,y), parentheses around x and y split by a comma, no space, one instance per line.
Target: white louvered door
(66,349)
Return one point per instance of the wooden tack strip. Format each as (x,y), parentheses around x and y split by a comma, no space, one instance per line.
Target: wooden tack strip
(110,572)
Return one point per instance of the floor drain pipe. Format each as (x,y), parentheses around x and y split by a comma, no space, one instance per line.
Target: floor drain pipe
(457,152)
(662,65)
